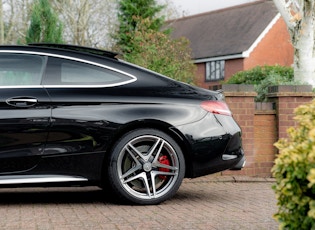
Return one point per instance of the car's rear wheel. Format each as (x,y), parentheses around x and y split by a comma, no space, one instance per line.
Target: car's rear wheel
(146,167)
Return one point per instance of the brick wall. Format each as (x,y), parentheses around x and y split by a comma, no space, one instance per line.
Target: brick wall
(264,137)
(233,66)
(200,77)
(286,99)
(240,99)
(263,123)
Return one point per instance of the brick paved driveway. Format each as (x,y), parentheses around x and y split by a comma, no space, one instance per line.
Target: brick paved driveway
(199,204)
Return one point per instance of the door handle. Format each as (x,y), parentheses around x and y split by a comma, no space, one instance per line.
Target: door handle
(22,101)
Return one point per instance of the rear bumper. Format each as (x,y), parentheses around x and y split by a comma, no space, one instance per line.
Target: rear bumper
(240,164)
(215,156)
(216,146)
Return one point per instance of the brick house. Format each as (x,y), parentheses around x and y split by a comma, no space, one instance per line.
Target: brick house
(238,38)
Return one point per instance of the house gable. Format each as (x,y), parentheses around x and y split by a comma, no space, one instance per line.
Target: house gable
(242,37)
(225,32)
(275,48)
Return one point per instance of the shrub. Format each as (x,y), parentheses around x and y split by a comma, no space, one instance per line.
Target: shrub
(294,171)
(255,75)
(272,79)
(262,77)
(157,51)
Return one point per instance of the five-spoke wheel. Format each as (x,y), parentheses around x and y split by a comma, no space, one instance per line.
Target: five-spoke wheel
(146,167)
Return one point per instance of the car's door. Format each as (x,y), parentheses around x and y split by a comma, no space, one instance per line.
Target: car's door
(78,91)
(24,111)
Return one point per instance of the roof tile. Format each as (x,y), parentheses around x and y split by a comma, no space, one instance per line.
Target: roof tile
(227,31)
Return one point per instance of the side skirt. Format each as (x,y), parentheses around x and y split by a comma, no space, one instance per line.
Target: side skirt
(35,179)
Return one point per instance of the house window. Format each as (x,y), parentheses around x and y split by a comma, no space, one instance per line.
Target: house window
(215,70)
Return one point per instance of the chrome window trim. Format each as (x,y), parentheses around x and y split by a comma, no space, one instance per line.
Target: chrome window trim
(21,86)
(86,86)
(133,78)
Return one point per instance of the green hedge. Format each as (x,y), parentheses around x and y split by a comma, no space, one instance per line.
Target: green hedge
(294,171)
(262,77)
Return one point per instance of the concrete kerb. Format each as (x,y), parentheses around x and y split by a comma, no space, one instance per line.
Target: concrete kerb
(235,179)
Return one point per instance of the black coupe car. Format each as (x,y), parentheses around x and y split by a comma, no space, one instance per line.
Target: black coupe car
(79,116)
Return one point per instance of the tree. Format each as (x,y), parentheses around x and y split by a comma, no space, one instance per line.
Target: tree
(171,11)
(88,22)
(85,22)
(45,25)
(128,16)
(15,20)
(156,51)
(299,16)
(2,23)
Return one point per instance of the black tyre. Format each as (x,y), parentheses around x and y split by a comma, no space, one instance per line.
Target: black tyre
(146,167)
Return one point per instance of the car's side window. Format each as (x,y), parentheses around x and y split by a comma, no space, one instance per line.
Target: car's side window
(21,69)
(67,72)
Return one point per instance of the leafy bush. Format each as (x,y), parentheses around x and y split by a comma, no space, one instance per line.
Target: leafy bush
(157,51)
(255,75)
(262,77)
(272,79)
(294,171)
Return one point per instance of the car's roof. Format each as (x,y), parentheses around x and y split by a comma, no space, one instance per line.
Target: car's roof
(76,48)
(65,48)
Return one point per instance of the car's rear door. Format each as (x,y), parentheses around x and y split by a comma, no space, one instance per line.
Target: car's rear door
(79,130)
(24,111)
(78,89)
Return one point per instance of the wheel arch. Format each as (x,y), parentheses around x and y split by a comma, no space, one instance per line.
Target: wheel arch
(172,131)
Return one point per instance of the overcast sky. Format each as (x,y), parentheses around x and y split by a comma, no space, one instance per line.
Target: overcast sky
(190,7)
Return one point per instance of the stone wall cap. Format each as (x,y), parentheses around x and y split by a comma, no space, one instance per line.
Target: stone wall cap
(290,88)
(240,94)
(238,88)
(291,94)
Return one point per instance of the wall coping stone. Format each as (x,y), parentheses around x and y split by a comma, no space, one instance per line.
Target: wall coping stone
(291,94)
(238,88)
(290,88)
(290,91)
(240,94)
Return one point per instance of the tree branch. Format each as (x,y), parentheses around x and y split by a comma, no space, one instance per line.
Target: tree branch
(285,10)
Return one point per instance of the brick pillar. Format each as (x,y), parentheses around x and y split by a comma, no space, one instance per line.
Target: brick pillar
(240,99)
(286,98)
(265,136)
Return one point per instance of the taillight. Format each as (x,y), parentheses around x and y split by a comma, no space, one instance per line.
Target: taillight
(217,107)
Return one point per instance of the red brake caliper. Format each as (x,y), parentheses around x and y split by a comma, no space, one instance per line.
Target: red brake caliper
(165,161)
